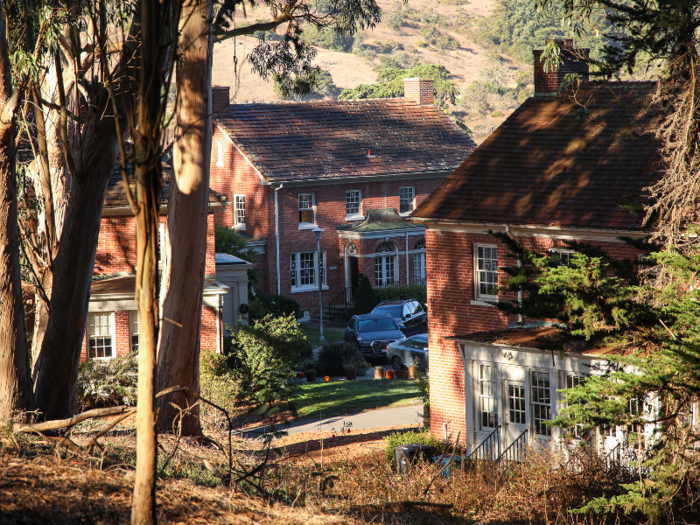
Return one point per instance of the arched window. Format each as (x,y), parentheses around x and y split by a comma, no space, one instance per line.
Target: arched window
(385,265)
(419,263)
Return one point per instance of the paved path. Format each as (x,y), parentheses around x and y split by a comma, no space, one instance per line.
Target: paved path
(384,417)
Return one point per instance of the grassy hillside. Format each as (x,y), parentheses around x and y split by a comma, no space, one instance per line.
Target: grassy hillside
(461,35)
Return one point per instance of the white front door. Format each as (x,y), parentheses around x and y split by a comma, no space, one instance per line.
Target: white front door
(515,420)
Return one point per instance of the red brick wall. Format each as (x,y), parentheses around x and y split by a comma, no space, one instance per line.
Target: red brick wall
(237,176)
(208,339)
(450,277)
(573,61)
(419,89)
(116,245)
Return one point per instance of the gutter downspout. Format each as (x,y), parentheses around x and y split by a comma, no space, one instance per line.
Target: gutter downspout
(407,280)
(277,238)
(521,319)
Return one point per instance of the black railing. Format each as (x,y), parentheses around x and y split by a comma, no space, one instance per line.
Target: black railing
(490,448)
(339,304)
(516,450)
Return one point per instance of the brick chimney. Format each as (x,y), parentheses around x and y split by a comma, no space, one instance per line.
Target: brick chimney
(418,89)
(220,99)
(573,61)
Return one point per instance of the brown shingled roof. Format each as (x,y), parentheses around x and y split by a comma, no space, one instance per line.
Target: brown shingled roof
(115,197)
(552,163)
(331,138)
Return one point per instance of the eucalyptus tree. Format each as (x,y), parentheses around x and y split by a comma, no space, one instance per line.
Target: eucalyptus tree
(289,59)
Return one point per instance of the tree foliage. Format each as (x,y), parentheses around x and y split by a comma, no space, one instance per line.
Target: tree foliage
(365,299)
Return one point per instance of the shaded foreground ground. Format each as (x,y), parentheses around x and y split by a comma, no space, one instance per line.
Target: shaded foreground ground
(315,478)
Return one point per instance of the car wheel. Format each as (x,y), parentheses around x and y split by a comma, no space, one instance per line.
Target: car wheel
(396,361)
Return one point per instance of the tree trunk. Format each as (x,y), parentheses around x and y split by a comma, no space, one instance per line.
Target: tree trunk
(15,383)
(56,366)
(148,152)
(183,279)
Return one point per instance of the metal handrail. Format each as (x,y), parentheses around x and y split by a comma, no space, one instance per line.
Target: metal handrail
(485,450)
(516,450)
(337,305)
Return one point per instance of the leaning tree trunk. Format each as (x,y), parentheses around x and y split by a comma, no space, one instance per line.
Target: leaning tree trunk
(183,279)
(56,366)
(15,378)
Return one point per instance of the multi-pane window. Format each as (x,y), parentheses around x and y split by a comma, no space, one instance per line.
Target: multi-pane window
(306,209)
(406,199)
(419,263)
(239,209)
(419,268)
(487,272)
(353,203)
(541,402)
(134,331)
(100,338)
(488,402)
(516,402)
(384,265)
(565,257)
(305,269)
(572,381)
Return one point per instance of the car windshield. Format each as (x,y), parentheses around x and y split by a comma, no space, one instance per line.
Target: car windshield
(393,310)
(377,325)
(419,342)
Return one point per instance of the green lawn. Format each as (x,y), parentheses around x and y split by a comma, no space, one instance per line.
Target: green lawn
(322,399)
(331,335)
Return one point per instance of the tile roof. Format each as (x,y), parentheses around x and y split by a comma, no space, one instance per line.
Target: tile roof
(554,163)
(115,197)
(326,139)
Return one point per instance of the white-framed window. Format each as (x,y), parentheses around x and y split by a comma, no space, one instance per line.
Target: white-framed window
(305,270)
(488,402)
(307,209)
(572,381)
(219,155)
(419,263)
(407,199)
(353,204)
(486,274)
(134,331)
(100,336)
(565,256)
(516,402)
(541,402)
(239,211)
(385,265)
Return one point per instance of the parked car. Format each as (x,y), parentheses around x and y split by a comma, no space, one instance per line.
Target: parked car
(406,351)
(373,332)
(409,312)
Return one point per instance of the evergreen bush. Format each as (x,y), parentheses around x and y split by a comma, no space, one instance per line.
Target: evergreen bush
(398,439)
(105,383)
(365,298)
(264,304)
(334,356)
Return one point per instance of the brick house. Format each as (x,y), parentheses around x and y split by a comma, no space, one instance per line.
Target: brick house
(356,169)
(112,327)
(555,170)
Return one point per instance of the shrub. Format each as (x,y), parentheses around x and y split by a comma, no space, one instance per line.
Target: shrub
(395,21)
(365,298)
(108,383)
(398,439)
(400,293)
(218,384)
(334,356)
(327,38)
(264,304)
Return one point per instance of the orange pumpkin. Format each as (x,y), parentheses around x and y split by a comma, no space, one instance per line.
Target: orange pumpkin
(327,378)
(390,374)
(301,374)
